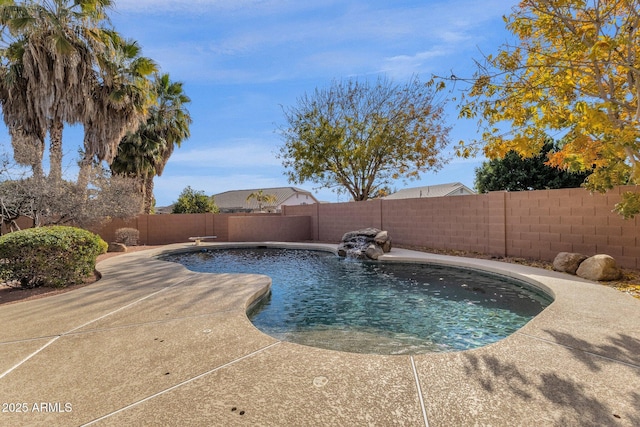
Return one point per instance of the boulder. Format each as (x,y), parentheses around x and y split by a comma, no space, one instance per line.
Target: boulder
(365,243)
(367,233)
(599,268)
(568,262)
(117,247)
(383,240)
(373,251)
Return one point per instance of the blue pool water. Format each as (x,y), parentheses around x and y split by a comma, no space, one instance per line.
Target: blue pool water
(325,301)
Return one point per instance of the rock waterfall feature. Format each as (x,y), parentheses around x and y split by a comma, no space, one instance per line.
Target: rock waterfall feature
(368,243)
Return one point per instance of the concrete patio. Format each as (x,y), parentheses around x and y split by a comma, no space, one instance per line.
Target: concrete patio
(152,343)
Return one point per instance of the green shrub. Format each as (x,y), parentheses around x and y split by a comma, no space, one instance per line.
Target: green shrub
(49,256)
(127,236)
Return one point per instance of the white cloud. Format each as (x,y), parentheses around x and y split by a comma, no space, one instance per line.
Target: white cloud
(187,6)
(254,41)
(243,7)
(404,66)
(236,153)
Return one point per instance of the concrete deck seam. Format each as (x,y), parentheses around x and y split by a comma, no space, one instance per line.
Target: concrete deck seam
(17,365)
(415,375)
(185,382)
(153,322)
(631,365)
(124,307)
(28,339)
(26,359)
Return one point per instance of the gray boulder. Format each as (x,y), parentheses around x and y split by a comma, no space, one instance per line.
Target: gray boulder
(599,268)
(383,240)
(367,233)
(568,262)
(373,251)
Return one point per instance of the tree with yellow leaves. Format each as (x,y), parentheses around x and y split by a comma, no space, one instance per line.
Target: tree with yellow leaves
(575,73)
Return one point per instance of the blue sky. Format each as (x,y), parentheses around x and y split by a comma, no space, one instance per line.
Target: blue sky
(242,60)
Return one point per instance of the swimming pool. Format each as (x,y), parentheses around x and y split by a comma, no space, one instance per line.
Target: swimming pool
(322,300)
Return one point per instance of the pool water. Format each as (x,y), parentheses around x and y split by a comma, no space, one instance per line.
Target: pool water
(325,301)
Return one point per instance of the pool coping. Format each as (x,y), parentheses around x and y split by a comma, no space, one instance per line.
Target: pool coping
(577,363)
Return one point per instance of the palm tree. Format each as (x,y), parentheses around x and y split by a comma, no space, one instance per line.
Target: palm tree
(262,198)
(63,65)
(121,101)
(145,153)
(49,72)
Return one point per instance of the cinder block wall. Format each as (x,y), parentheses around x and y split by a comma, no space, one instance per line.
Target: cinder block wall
(162,229)
(261,228)
(539,224)
(463,222)
(335,219)
(310,211)
(22,222)
(451,223)
(176,228)
(532,224)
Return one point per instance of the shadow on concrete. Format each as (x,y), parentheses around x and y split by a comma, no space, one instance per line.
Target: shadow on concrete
(572,396)
(621,347)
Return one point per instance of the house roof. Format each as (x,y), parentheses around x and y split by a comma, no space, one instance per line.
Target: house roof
(164,209)
(237,199)
(440,190)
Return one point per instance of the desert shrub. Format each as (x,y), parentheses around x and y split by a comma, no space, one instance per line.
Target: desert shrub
(56,256)
(127,236)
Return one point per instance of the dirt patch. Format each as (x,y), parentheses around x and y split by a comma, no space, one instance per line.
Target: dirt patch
(9,295)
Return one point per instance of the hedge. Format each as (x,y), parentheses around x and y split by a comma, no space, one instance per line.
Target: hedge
(56,256)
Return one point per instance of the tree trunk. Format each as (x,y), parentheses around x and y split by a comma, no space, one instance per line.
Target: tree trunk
(147,202)
(55,150)
(36,169)
(85,172)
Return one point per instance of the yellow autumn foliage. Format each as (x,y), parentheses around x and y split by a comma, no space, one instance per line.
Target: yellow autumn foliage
(574,72)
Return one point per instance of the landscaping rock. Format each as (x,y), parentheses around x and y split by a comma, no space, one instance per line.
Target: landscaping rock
(116,247)
(366,243)
(568,262)
(599,268)
(370,233)
(373,251)
(383,240)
